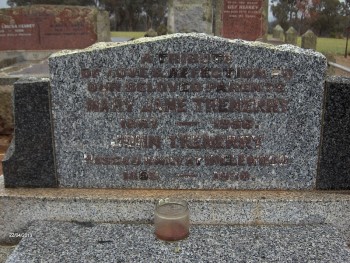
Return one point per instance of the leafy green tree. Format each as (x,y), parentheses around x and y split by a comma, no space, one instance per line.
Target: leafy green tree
(13,3)
(123,12)
(326,18)
(285,12)
(155,11)
(130,13)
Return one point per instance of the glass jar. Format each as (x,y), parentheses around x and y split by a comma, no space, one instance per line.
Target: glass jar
(171,219)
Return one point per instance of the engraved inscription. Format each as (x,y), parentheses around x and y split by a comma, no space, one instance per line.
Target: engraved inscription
(207,160)
(243,19)
(202,105)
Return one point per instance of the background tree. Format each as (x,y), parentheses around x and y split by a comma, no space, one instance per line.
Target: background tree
(13,3)
(123,12)
(156,11)
(324,17)
(284,11)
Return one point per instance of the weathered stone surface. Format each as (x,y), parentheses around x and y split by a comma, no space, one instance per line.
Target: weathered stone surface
(309,40)
(22,206)
(40,27)
(187,111)
(87,242)
(243,19)
(278,33)
(6,115)
(190,16)
(29,159)
(334,170)
(103,26)
(291,36)
(5,251)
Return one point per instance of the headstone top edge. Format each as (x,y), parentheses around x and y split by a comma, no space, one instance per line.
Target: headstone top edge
(338,79)
(202,36)
(31,80)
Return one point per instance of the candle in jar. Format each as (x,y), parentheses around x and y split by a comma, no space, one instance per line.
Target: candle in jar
(171,219)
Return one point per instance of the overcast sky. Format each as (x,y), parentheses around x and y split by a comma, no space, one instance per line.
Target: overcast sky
(3,3)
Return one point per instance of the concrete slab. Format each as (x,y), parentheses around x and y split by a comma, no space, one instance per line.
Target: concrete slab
(77,242)
(5,251)
(19,207)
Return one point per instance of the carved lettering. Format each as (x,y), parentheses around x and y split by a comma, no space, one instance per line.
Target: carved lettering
(206,160)
(109,105)
(234,124)
(141,175)
(186,141)
(190,86)
(137,141)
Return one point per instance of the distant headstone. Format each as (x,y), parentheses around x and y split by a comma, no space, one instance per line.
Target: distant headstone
(29,161)
(190,16)
(49,27)
(309,40)
(151,33)
(334,171)
(291,36)
(187,111)
(278,33)
(243,19)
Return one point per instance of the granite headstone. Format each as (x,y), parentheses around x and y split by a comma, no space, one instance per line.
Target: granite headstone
(291,36)
(309,40)
(334,170)
(278,33)
(29,161)
(190,16)
(187,111)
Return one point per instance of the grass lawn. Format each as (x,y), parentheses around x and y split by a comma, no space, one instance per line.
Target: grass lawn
(332,46)
(127,34)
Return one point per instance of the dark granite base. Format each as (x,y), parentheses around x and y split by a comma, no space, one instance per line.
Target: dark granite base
(29,159)
(87,242)
(334,168)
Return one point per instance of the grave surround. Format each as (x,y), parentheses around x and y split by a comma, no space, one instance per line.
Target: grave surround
(334,168)
(187,111)
(182,111)
(29,160)
(90,242)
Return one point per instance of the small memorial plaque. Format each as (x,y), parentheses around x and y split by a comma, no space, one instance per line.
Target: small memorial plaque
(244,19)
(187,111)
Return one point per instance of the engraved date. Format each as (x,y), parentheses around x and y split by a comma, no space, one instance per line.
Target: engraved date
(21,235)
